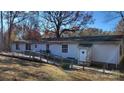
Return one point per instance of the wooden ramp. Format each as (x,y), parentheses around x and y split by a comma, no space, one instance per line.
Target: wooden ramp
(45,60)
(27,57)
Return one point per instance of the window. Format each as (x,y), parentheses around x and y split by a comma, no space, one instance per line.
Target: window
(64,48)
(17,47)
(35,45)
(28,47)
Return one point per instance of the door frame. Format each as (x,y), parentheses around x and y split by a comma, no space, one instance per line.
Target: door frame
(85,58)
(88,58)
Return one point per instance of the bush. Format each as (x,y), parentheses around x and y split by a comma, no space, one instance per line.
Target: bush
(72,60)
(48,51)
(122,60)
(122,64)
(65,65)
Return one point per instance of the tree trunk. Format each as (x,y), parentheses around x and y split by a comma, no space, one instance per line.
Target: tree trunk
(57,31)
(122,16)
(9,31)
(2,39)
(9,37)
(11,19)
(57,34)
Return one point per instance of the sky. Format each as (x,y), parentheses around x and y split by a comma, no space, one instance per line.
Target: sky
(101,20)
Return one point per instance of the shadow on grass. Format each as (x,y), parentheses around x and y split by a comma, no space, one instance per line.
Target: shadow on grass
(3,69)
(21,62)
(13,72)
(121,77)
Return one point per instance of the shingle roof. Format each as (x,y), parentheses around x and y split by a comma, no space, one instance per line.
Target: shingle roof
(24,41)
(77,39)
(20,41)
(89,38)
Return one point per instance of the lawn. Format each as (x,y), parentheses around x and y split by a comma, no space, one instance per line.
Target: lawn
(16,69)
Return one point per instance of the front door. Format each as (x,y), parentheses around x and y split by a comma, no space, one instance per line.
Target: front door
(83,55)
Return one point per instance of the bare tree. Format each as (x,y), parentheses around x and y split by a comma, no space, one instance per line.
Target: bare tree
(119,29)
(116,16)
(30,24)
(1,17)
(13,18)
(111,16)
(91,31)
(60,21)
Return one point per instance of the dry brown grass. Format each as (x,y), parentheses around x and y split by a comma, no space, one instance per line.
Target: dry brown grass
(15,69)
(89,75)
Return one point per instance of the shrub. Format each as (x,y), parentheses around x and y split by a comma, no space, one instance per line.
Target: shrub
(122,60)
(65,65)
(48,51)
(122,64)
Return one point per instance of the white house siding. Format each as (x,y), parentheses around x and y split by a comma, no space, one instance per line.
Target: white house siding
(56,49)
(39,47)
(72,51)
(43,46)
(36,49)
(108,53)
(21,46)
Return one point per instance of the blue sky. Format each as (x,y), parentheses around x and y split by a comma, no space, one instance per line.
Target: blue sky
(101,20)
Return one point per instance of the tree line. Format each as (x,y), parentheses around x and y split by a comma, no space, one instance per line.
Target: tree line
(28,25)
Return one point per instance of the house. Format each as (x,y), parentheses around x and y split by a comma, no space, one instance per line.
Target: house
(22,45)
(102,49)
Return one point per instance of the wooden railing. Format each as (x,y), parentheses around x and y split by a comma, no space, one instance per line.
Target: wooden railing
(42,56)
